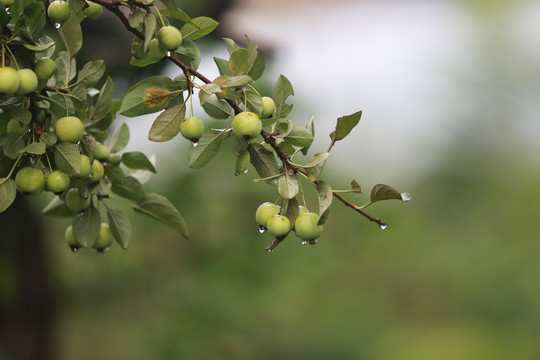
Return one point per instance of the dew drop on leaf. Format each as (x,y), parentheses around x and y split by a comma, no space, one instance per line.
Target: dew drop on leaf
(405,196)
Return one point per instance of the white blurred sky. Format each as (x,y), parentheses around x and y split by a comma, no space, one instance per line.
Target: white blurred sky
(407,64)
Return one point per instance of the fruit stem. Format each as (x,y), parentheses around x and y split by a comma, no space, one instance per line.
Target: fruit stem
(12,169)
(12,57)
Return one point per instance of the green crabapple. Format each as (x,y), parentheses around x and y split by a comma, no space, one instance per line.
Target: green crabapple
(69,129)
(279,225)
(156,52)
(104,240)
(28,81)
(7,2)
(30,180)
(75,201)
(97,171)
(58,11)
(268,107)
(93,10)
(86,167)
(306,227)
(102,152)
(57,181)
(247,124)
(265,212)
(9,81)
(169,37)
(192,128)
(74,245)
(44,68)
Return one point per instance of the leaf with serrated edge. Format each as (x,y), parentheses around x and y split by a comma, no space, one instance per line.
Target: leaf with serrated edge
(344,125)
(384,192)
(161,209)
(200,27)
(325,196)
(288,186)
(167,124)
(67,158)
(206,149)
(8,192)
(120,227)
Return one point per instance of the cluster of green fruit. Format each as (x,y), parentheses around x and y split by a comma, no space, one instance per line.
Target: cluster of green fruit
(59,11)
(168,39)
(103,242)
(25,81)
(245,125)
(270,217)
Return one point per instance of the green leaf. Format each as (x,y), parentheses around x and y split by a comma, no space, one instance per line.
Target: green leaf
(216,108)
(119,138)
(208,90)
(8,192)
(120,227)
(148,96)
(254,102)
(231,45)
(73,34)
(292,211)
(315,165)
(176,13)
(128,187)
(344,126)
(67,158)
(91,73)
(200,27)
(284,128)
(206,149)
(12,144)
(256,64)
(57,208)
(86,225)
(167,124)
(149,29)
(137,160)
(223,66)
(384,192)
(161,209)
(40,47)
(355,187)
(104,102)
(66,69)
(288,186)
(325,196)
(188,52)
(282,90)
(225,81)
(299,136)
(242,163)
(136,17)
(37,148)
(263,161)
(238,61)
(48,138)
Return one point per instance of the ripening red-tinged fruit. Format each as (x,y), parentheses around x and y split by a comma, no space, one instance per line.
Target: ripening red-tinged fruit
(28,81)
(75,201)
(278,225)
(93,10)
(268,107)
(306,227)
(69,129)
(265,212)
(30,180)
(57,181)
(105,239)
(9,81)
(58,11)
(44,69)
(97,171)
(169,37)
(247,124)
(192,128)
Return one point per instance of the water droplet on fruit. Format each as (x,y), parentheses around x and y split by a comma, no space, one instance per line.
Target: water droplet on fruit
(405,196)
(270,250)
(261,229)
(194,143)
(169,53)
(304,242)
(57,25)
(383,226)
(74,248)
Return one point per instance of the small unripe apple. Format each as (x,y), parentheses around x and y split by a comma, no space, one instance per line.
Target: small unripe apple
(70,239)
(169,37)
(45,68)
(93,10)
(58,11)
(75,201)
(30,180)
(57,181)
(97,171)
(14,126)
(102,152)
(86,167)
(279,225)
(192,128)
(7,2)
(268,107)
(247,124)
(9,81)
(28,81)
(69,129)
(155,50)
(265,212)
(105,239)
(306,227)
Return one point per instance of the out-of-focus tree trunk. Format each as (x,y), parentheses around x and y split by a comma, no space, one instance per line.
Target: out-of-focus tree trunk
(26,299)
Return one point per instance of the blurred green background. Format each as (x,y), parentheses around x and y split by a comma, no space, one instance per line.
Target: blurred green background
(455,275)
